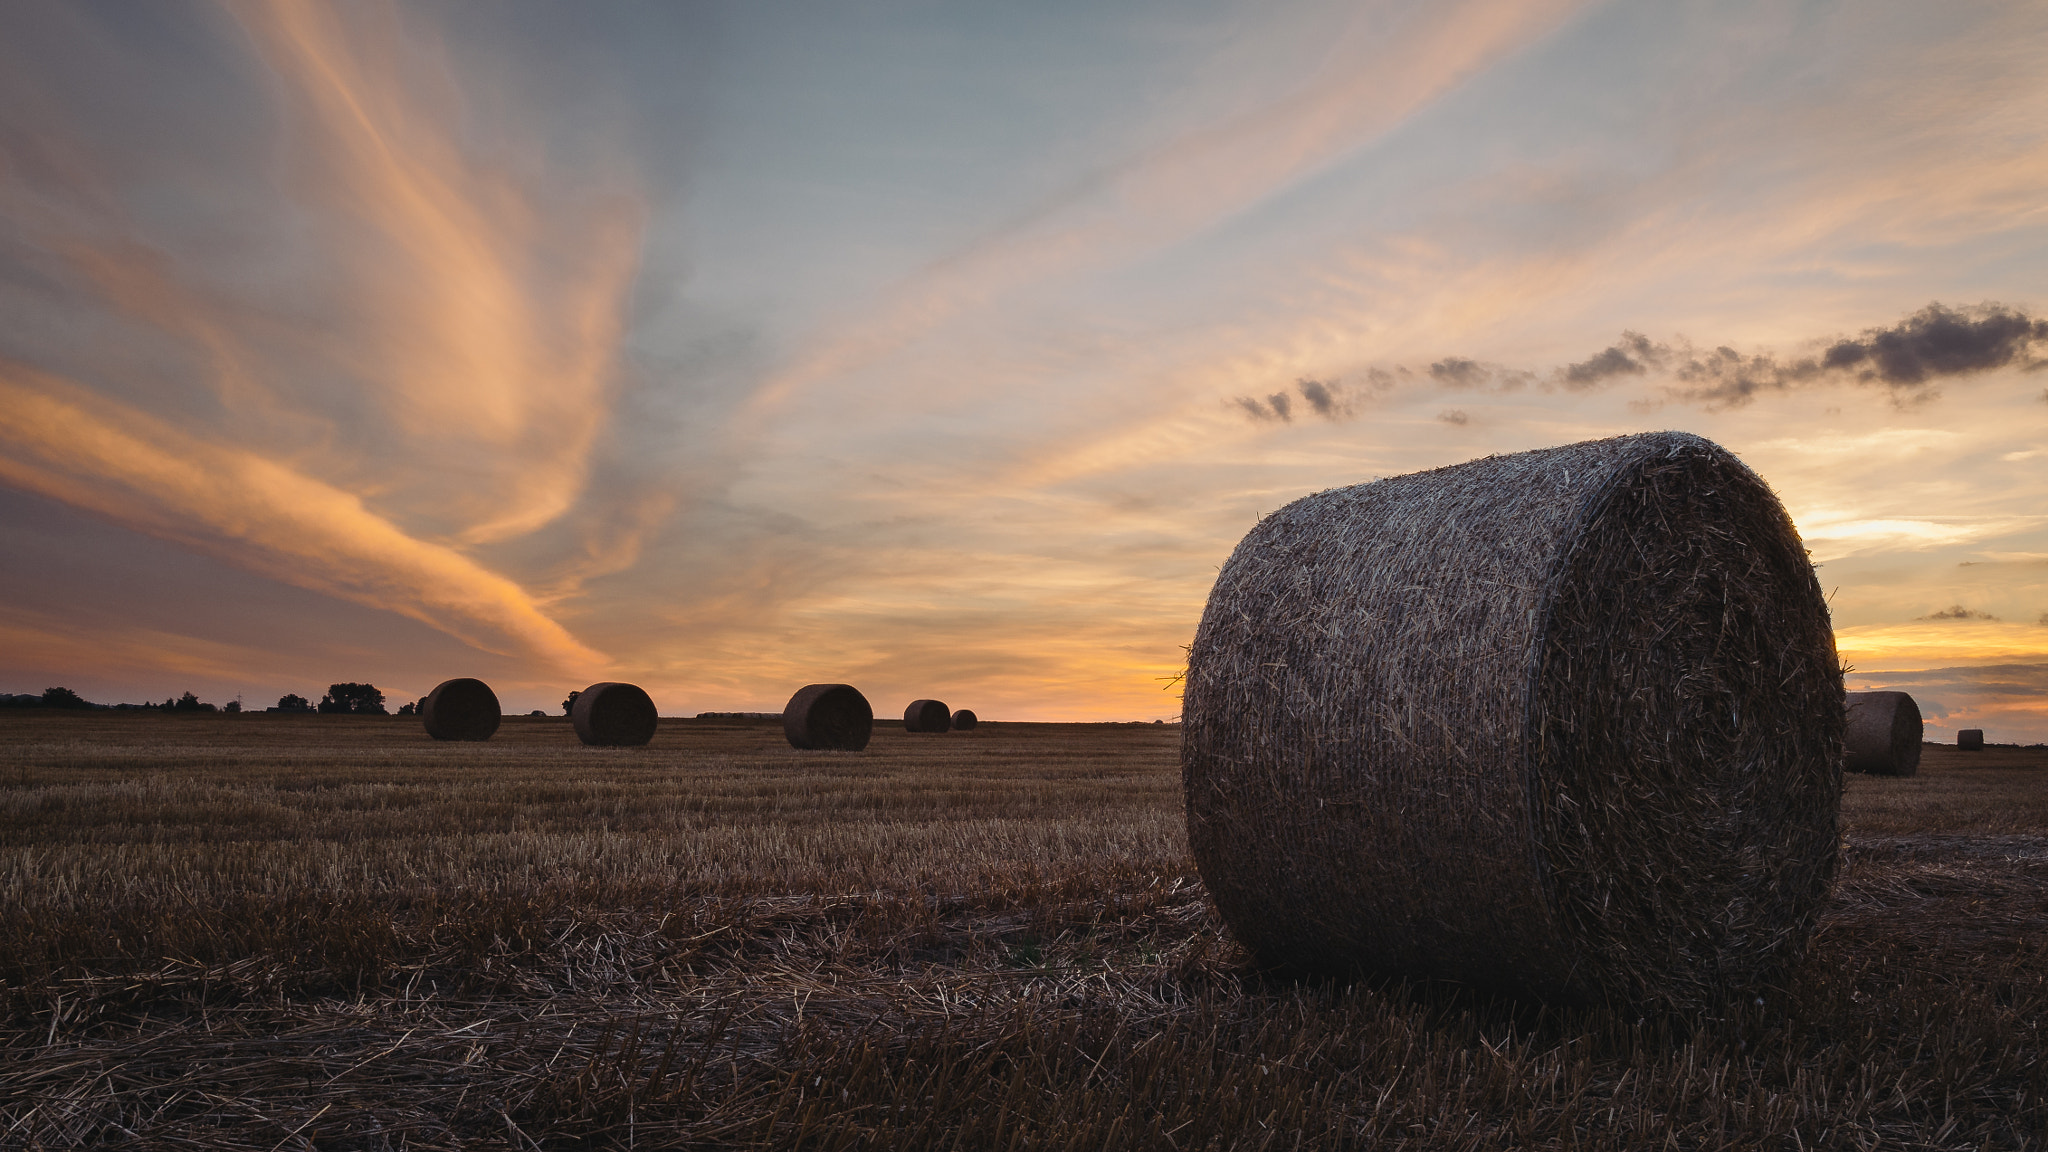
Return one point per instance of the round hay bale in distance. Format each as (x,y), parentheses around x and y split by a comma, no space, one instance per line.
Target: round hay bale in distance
(612,714)
(1970,739)
(964,720)
(1565,723)
(1883,733)
(828,717)
(461,709)
(927,716)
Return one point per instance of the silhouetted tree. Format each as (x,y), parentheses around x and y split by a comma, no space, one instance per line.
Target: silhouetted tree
(294,703)
(413,709)
(234,705)
(63,698)
(571,701)
(188,703)
(354,699)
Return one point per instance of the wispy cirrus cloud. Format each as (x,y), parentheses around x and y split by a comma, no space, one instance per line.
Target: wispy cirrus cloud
(403,349)
(62,442)
(1391,62)
(493,307)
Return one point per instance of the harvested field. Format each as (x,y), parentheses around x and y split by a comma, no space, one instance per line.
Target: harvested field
(288,932)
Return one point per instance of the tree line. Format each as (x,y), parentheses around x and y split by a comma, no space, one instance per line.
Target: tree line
(348,699)
(341,699)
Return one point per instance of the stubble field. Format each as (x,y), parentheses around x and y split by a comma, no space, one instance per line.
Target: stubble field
(288,932)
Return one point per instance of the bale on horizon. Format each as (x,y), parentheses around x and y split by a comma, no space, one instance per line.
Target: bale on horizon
(927,716)
(1883,733)
(964,720)
(828,717)
(464,708)
(1564,723)
(615,715)
(1970,739)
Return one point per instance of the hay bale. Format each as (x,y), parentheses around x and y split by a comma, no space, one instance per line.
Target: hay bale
(964,720)
(828,717)
(461,709)
(927,716)
(1970,739)
(614,715)
(1565,723)
(1883,733)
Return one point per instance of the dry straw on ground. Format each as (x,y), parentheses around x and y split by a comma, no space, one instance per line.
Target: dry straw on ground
(286,932)
(1566,722)
(1883,733)
(828,717)
(1970,739)
(964,720)
(927,716)
(614,714)
(461,709)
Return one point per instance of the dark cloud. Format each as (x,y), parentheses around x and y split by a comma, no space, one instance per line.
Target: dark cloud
(1939,341)
(1322,399)
(1632,355)
(1958,612)
(1258,409)
(1907,358)
(1325,398)
(1458,372)
(1454,416)
(1278,406)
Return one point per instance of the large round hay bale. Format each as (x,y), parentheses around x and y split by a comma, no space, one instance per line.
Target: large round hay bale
(614,715)
(1883,733)
(1566,723)
(828,717)
(964,720)
(1970,739)
(461,709)
(927,716)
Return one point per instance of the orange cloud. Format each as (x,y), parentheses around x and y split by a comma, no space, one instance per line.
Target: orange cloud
(495,313)
(64,443)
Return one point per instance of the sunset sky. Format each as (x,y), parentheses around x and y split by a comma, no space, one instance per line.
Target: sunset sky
(948,349)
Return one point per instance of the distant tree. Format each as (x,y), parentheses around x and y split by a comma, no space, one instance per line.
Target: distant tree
(570,703)
(294,703)
(189,703)
(353,699)
(416,708)
(234,705)
(63,698)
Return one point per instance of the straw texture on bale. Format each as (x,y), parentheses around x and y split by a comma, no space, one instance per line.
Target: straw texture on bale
(927,716)
(1970,739)
(1565,723)
(461,709)
(614,714)
(1883,733)
(964,720)
(828,717)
